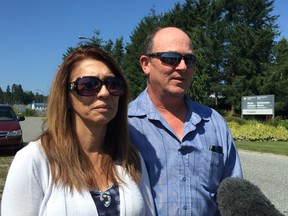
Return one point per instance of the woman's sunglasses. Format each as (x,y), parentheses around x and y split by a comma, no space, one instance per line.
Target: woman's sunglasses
(174,58)
(90,85)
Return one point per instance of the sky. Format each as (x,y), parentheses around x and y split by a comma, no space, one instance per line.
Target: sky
(34,34)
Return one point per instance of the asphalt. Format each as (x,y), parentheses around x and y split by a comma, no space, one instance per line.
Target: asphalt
(31,128)
(268,171)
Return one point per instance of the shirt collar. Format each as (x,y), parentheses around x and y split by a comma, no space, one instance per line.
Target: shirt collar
(197,112)
(143,106)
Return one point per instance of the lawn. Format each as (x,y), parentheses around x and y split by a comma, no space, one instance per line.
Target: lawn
(280,148)
(5,162)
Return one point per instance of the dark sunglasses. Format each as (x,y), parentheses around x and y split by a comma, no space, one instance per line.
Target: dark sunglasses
(174,58)
(90,85)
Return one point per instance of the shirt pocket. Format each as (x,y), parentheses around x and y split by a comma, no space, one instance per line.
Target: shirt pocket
(210,169)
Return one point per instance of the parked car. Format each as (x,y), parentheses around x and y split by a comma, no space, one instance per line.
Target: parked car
(10,129)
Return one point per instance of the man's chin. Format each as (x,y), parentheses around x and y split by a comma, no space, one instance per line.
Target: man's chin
(177,92)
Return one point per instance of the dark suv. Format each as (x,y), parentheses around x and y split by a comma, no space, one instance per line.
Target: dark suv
(10,130)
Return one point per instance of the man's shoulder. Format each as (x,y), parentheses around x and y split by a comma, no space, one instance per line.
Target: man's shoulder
(137,106)
(202,110)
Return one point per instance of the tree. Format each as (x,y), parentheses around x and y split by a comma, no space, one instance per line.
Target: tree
(95,40)
(17,93)
(132,69)
(116,50)
(68,51)
(250,32)
(276,78)
(8,96)
(2,100)
(29,97)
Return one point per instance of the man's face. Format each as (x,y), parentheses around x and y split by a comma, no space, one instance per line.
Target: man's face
(164,78)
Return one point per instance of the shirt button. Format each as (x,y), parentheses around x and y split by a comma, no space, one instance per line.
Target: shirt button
(184,178)
(185,207)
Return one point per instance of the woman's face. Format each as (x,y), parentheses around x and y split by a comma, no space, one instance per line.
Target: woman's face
(96,110)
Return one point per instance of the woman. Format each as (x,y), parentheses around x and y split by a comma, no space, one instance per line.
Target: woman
(84,163)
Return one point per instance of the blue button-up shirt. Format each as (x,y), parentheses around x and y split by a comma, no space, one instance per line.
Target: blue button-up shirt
(184,174)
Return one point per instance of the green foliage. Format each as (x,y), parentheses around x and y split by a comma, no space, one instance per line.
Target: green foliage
(68,51)
(5,163)
(276,78)
(234,119)
(132,70)
(279,122)
(256,131)
(29,112)
(18,96)
(116,50)
(249,41)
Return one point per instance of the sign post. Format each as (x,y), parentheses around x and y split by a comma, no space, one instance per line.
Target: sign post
(257,105)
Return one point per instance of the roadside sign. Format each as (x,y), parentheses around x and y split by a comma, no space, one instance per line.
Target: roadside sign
(257,105)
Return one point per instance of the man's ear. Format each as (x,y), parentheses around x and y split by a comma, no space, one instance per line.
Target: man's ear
(145,64)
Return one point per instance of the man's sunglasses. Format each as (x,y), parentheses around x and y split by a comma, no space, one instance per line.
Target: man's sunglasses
(90,85)
(174,58)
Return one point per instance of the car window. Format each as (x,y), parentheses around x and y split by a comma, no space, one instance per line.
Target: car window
(6,113)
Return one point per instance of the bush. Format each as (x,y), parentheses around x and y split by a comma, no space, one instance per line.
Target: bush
(257,131)
(30,112)
(235,119)
(283,123)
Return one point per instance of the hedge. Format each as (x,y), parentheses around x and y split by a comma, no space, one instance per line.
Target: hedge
(256,131)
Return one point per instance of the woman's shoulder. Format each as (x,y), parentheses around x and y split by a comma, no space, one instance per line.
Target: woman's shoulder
(31,147)
(31,153)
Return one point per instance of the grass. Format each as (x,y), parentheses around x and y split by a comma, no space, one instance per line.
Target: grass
(5,162)
(280,148)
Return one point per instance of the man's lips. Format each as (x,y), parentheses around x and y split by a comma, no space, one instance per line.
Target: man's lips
(178,78)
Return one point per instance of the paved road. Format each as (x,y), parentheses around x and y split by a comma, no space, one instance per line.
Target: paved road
(31,128)
(268,171)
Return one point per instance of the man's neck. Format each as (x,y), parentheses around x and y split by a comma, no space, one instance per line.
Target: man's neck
(173,110)
(167,102)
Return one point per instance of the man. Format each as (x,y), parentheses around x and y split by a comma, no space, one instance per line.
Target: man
(187,147)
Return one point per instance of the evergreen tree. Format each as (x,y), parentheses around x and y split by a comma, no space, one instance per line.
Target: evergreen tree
(29,97)
(276,78)
(132,69)
(118,52)
(8,96)
(250,32)
(17,94)
(2,100)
